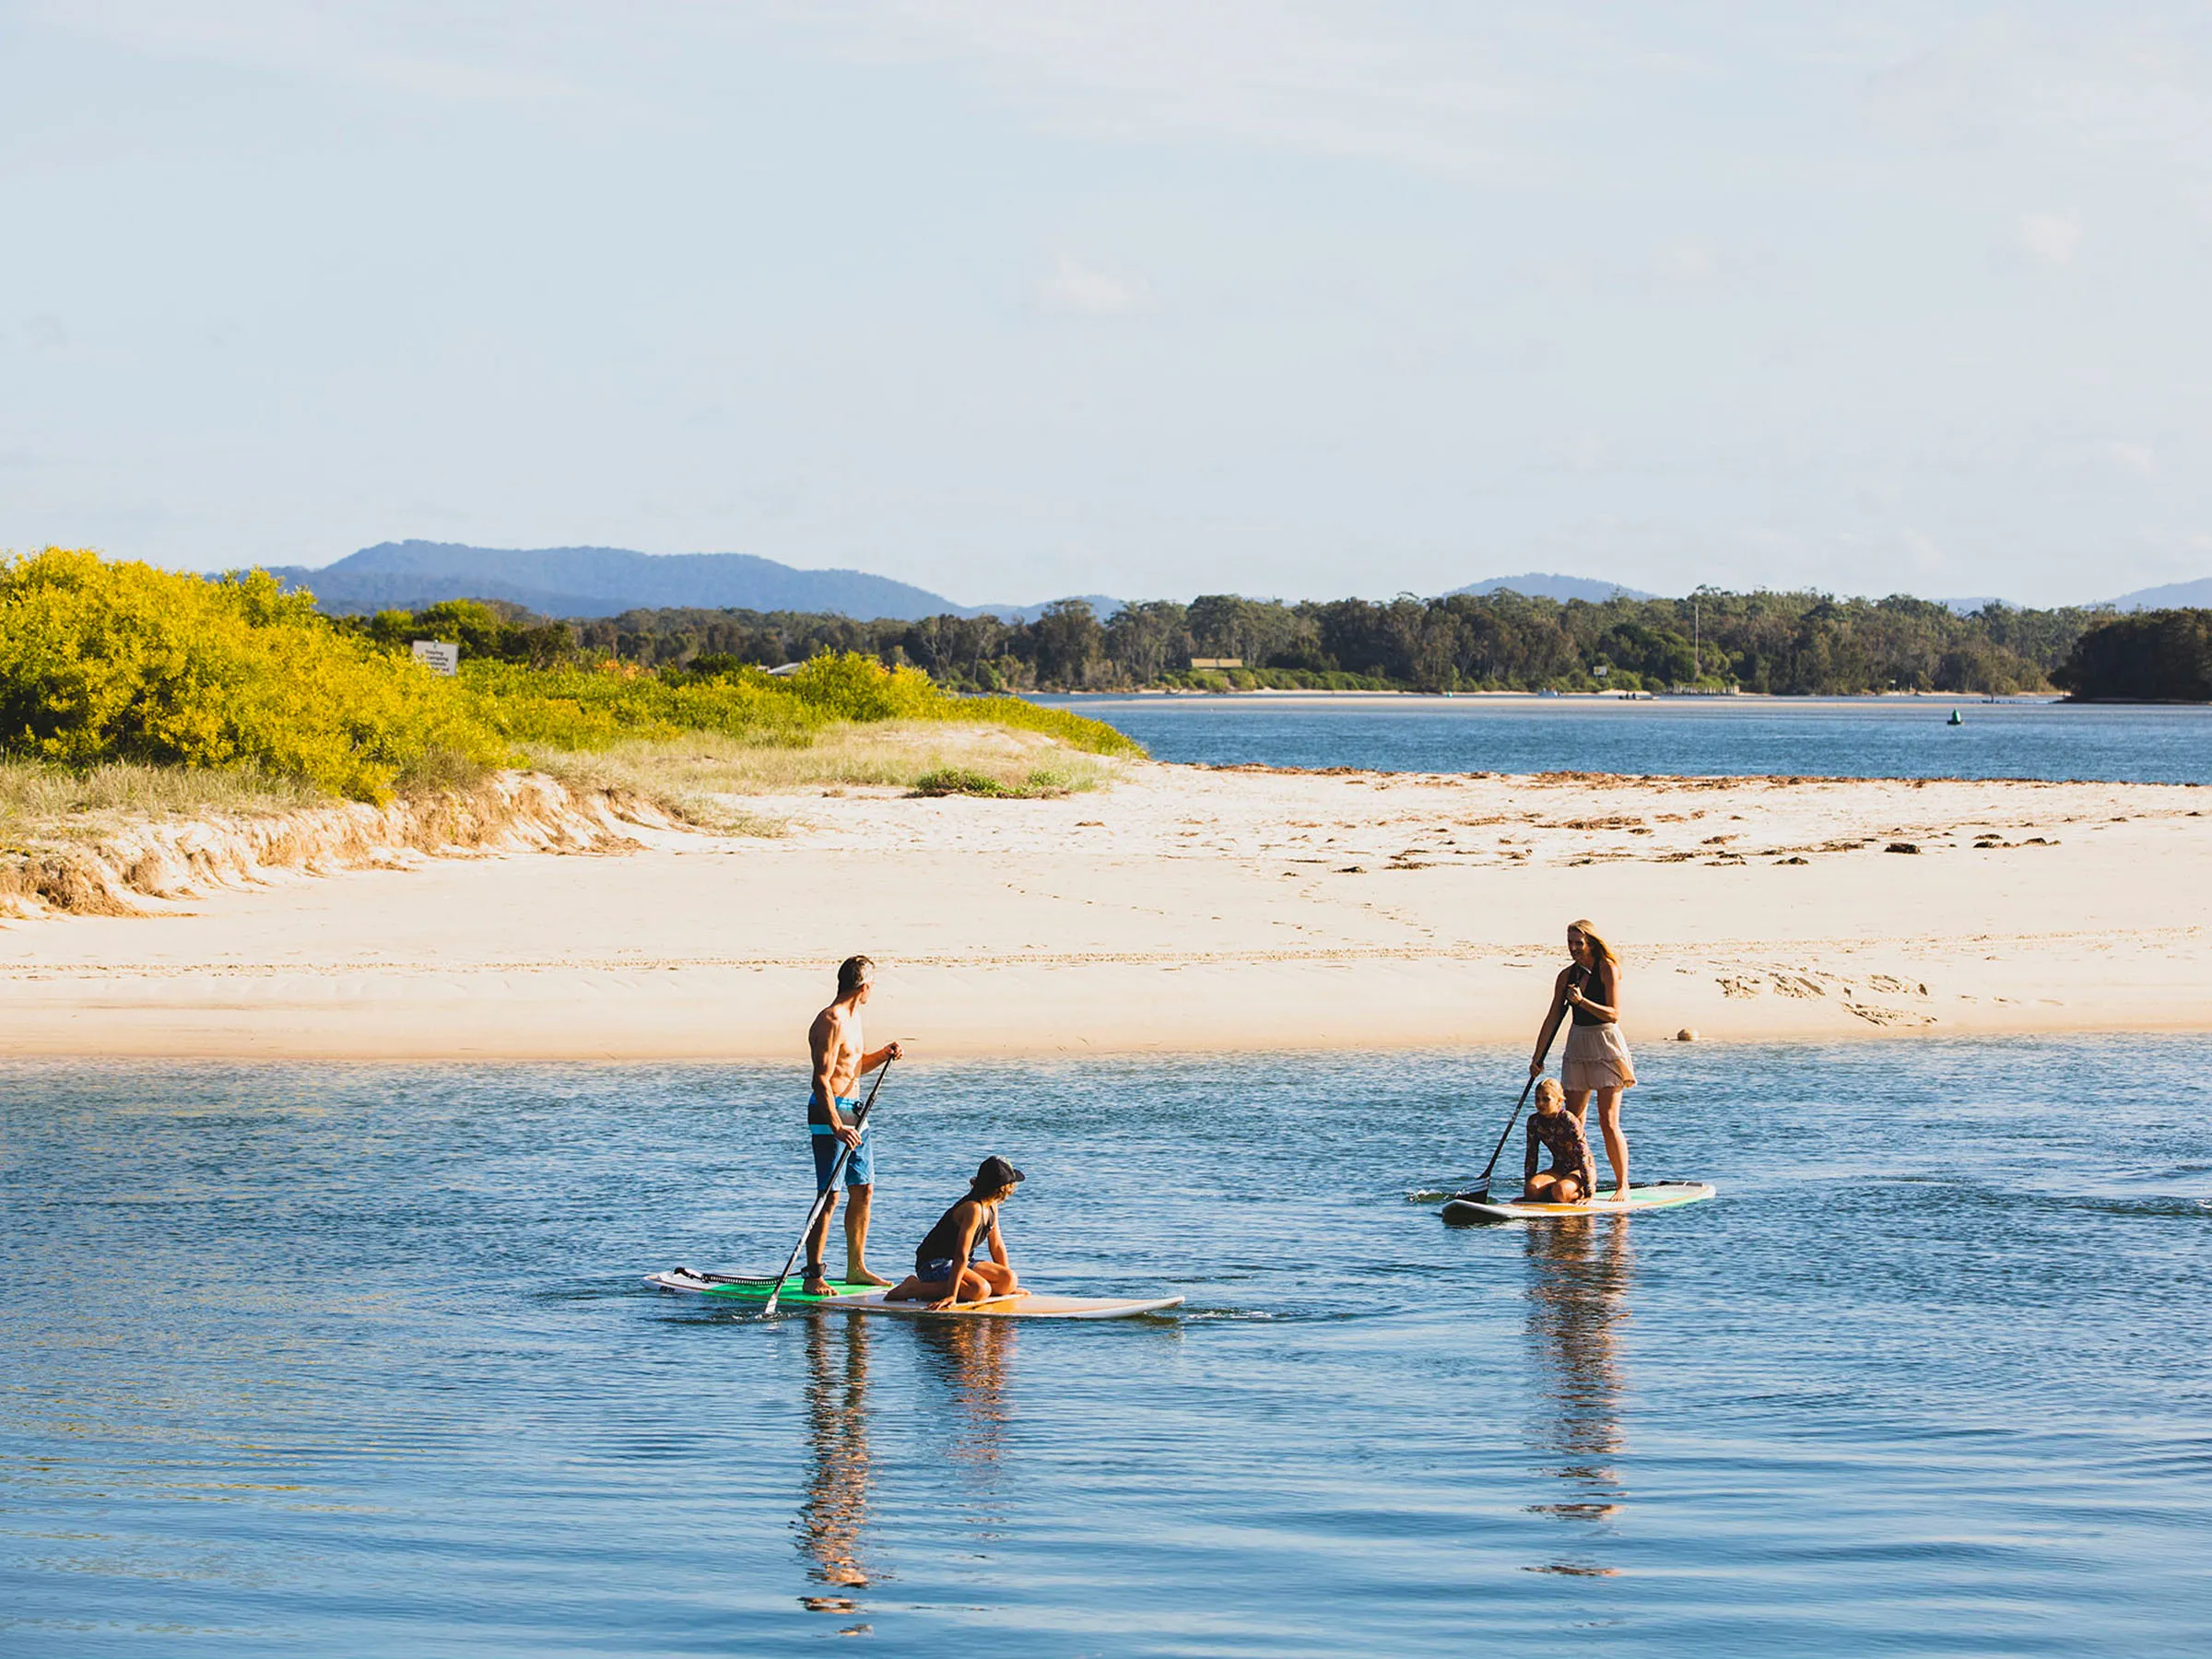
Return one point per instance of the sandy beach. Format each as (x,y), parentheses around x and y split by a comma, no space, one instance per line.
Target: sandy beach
(1184,909)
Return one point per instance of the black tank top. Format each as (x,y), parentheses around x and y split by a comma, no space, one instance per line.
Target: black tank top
(1587,983)
(943,1239)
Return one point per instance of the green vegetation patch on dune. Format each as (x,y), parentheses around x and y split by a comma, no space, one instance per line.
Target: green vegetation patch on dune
(1045,783)
(104,661)
(590,707)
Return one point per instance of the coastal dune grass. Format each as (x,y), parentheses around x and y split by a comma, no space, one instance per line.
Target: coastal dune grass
(700,775)
(42,800)
(128,689)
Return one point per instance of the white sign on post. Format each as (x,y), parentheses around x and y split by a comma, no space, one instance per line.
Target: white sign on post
(438,656)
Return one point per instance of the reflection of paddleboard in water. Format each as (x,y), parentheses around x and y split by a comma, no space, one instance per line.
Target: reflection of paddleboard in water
(864,1299)
(1643,1196)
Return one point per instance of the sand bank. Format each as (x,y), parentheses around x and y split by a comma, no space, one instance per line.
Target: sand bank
(1188,908)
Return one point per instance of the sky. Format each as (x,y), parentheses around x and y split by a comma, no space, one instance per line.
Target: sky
(1147,298)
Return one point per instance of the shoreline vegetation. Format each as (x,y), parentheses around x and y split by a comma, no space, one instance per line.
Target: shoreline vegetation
(1712,641)
(164,731)
(188,748)
(109,663)
(161,732)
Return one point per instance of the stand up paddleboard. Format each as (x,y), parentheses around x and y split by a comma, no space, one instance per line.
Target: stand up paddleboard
(1643,1196)
(868,1299)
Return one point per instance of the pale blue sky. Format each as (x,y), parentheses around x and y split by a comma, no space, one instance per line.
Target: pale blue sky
(1143,297)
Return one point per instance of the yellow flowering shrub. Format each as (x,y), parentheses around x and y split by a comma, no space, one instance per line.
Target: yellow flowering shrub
(110,660)
(107,660)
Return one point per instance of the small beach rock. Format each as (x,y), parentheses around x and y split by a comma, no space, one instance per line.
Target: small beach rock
(1686,1034)
(1901,847)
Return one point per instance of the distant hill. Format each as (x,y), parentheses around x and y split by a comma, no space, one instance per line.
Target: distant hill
(601,581)
(2174,595)
(1101,605)
(1546,584)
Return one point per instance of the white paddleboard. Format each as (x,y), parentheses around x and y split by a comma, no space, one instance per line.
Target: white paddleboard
(871,1301)
(1643,1196)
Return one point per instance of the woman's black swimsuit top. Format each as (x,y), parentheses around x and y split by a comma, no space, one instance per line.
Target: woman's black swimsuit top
(943,1239)
(1587,984)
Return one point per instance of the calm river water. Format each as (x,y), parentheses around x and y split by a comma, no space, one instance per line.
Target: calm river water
(1682,737)
(356,1362)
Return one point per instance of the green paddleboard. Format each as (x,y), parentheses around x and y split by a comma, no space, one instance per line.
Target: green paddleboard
(728,1287)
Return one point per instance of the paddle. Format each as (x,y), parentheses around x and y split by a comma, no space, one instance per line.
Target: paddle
(1480,1191)
(822,1198)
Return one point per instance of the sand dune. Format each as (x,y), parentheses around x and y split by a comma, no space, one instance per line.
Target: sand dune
(1186,907)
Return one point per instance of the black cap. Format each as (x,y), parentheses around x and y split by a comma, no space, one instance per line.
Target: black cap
(993,1173)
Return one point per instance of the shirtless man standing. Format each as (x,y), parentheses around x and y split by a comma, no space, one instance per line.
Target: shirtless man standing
(841,1060)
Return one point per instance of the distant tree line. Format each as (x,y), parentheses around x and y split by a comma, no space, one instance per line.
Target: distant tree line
(2151,656)
(1713,641)
(482,627)
(1774,642)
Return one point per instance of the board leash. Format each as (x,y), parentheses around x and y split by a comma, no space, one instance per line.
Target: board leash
(829,1191)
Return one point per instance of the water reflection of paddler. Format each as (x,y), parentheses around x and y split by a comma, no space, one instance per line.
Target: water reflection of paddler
(1579,1272)
(834,1512)
(974,1360)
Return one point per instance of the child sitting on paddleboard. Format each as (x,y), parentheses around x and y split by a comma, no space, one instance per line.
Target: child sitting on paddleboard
(946,1268)
(1573,1175)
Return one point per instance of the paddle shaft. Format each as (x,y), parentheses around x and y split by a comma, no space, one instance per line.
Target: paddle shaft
(1482,1182)
(829,1193)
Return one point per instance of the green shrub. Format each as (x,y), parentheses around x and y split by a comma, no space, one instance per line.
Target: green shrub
(500,630)
(958,780)
(1042,783)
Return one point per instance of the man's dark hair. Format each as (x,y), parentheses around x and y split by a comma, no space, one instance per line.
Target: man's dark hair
(853,973)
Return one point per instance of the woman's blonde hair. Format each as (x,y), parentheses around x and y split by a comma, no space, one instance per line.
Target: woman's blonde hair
(1549,1089)
(1598,947)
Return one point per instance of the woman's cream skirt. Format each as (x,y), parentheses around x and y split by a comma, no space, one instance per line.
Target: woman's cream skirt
(1597,1057)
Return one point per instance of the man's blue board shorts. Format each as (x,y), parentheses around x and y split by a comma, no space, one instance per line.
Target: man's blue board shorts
(860,1169)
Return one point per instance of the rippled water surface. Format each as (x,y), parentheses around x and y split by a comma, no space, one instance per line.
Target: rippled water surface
(1681,736)
(344,1361)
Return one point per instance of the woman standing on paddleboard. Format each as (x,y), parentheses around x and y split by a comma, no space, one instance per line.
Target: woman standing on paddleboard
(1596,1061)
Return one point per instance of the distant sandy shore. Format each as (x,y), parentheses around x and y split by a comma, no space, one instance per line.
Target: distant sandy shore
(1187,909)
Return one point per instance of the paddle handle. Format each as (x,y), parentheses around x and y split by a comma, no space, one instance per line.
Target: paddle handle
(829,1191)
(1483,1181)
